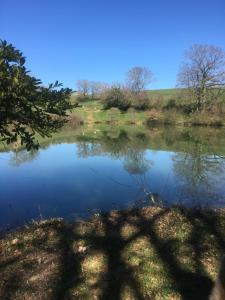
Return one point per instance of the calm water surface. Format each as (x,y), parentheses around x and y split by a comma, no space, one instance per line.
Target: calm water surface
(94,171)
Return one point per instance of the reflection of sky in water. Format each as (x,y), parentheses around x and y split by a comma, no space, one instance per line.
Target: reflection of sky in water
(57,182)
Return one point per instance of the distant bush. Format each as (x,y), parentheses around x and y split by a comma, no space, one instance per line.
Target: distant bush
(188,108)
(171,118)
(216,108)
(180,105)
(156,101)
(82,98)
(141,101)
(74,121)
(116,97)
(73,98)
(153,117)
(204,118)
(171,104)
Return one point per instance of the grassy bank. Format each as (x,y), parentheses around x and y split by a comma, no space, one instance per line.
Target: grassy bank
(92,112)
(153,253)
(165,108)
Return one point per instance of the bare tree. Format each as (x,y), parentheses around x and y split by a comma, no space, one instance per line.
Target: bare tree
(137,78)
(83,87)
(103,86)
(97,88)
(203,72)
(94,89)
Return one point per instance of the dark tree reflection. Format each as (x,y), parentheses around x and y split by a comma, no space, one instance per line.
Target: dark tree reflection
(199,173)
(86,149)
(135,162)
(131,151)
(22,156)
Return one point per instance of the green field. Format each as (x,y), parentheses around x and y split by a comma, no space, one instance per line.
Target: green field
(165,93)
(92,112)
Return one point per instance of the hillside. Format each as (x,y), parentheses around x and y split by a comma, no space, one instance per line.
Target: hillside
(165,93)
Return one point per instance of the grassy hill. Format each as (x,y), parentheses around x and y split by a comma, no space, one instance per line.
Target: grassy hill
(165,93)
(92,111)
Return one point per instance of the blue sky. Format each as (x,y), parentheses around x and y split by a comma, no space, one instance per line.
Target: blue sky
(101,39)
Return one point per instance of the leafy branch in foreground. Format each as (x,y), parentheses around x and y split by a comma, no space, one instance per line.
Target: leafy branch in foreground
(26,106)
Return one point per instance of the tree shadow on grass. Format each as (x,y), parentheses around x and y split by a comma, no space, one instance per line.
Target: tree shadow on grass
(68,279)
(190,285)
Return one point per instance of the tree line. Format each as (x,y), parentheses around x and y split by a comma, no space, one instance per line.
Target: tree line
(120,95)
(201,78)
(27,107)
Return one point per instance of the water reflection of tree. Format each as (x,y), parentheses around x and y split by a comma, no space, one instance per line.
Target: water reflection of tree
(86,149)
(20,157)
(130,150)
(192,165)
(135,162)
(198,172)
(115,145)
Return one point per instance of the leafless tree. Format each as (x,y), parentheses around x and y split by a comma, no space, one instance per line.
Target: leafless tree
(203,73)
(97,88)
(94,89)
(103,86)
(137,78)
(83,87)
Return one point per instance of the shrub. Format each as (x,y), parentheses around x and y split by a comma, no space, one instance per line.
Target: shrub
(188,108)
(154,117)
(216,108)
(171,104)
(170,118)
(205,119)
(116,97)
(74,121)
(141,101)
(82,98)
(180,106)
(156,101)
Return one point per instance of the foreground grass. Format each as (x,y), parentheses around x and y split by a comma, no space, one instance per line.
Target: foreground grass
(153,253)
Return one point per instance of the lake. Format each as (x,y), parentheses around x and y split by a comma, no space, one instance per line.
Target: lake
(79,173)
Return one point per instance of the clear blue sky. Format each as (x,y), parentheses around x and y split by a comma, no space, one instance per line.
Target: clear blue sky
(101,39)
